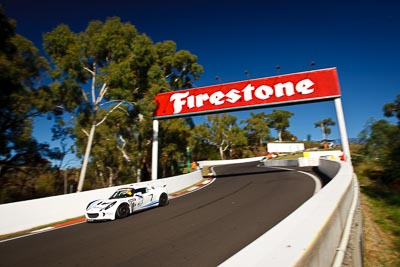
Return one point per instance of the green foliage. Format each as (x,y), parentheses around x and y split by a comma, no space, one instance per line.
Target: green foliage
(378,139)
(324,125)
(21,69)
(393,108)
(174,138)
(391,159)
(288,136)
(279,120)
(130,70)
(110,53)
(222,132)
(381,149)
(20,181)
(377,162)
(257,130)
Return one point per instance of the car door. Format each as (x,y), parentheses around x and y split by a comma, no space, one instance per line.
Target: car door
(143,197)
(147,197)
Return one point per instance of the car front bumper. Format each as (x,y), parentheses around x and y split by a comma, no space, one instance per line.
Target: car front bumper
(97,215)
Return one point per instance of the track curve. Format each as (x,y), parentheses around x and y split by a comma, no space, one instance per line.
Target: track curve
(199,229)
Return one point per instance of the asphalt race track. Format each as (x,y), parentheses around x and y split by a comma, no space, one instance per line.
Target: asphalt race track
(203,228)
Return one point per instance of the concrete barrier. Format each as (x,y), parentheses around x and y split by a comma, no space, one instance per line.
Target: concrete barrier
(312,234)
(331,168)
(203,163)
(24,215)
(327,154)
(281,163)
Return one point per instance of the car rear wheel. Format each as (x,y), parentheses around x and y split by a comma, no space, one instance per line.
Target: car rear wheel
(122,211)
(164,201)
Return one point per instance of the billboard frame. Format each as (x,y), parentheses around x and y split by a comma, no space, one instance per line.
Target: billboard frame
(290,89)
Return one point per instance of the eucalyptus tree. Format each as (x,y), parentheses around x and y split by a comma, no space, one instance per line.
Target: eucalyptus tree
(175,135)
(392,164)
(111,67)
(287,135)
(324,124)
(223,132)
(21,73)
(279,120)
(393,108)
(381,148)
(257,129)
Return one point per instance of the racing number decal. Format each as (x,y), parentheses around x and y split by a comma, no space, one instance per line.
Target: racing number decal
(132,203)
(140,201)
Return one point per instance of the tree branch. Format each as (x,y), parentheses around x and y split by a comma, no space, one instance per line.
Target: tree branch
(122,149)
(85,132)
(89,70)
(103,91)
(84,95)
(226,147)
(106,116)
(117,100)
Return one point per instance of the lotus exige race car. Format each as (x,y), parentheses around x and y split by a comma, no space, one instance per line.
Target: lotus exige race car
(125,201)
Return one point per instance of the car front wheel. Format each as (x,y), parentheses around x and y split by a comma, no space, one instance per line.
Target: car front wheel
(164,201)
(122,211)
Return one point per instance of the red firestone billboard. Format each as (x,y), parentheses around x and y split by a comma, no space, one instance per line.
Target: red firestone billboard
(317,85)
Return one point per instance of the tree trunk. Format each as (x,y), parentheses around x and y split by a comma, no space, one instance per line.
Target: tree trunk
(323,132)
(110,177)
(86,158)
(280,136)
(221,152)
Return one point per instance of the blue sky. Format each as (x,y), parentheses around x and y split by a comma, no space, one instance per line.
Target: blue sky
(360,38)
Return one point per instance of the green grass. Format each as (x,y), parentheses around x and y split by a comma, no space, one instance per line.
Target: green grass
(385,204)
(289,156)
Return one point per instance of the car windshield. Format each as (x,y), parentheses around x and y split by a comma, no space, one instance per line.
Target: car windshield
(122,193)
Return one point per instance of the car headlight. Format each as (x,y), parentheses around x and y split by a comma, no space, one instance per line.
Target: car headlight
(88,206)
(110,205)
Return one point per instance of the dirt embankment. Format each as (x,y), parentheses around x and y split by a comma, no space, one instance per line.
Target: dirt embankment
(378,244)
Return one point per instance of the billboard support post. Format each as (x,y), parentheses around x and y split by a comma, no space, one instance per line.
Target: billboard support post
(342,129)
(154,160)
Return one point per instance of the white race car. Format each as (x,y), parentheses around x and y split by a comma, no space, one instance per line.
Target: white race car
(125,201)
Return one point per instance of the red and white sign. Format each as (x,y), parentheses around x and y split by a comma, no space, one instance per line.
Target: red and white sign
(278,90)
